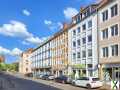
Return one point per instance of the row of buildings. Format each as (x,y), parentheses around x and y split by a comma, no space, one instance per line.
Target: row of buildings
(88,46)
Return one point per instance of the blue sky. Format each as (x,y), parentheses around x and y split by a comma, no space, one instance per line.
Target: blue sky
(26,23)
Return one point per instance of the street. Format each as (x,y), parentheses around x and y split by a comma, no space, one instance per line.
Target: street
(17,82)
(8,82)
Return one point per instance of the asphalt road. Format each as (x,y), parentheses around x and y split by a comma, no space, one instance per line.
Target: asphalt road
(8,82)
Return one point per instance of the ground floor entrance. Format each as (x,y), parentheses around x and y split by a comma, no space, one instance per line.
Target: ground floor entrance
(110,72)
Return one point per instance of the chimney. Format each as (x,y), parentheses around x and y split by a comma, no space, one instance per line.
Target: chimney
(81,9)
(65,26)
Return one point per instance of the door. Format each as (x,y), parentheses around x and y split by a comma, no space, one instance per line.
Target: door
(117,74)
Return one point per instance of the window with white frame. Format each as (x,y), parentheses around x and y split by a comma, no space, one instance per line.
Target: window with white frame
(78,42)
(105,51)
(78,30)
(114,49)
(74,44)
(78,55)
(114,30)
(90,38)
(74,32)
(84,40)
(84,27)
(74,55)
(114,10)
(105,15)
(83,54)
(90,24)
(105,33)
(89,52)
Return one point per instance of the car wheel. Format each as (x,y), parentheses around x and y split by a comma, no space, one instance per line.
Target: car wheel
(88,86)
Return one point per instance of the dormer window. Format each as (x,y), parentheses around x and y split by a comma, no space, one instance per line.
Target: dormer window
(78,18)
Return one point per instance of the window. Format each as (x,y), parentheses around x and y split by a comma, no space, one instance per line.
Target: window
(105,52)
(105,15)
(84,27)
(89,52)
(78,18)
(84,40)
(105,33)
(90,24)
(114,10)
(114,50)
(74,44)
(74,55)
(89,65)
(78,42)
(83,54)
(90,38)
(114,30)
(78,29)
(78,55)
(74,32)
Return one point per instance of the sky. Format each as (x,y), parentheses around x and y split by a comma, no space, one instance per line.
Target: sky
(26,23)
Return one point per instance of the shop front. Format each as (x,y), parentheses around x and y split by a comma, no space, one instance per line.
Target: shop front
(110,72)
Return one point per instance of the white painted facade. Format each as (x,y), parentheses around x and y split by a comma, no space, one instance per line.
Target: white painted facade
(41,60)
(92,45)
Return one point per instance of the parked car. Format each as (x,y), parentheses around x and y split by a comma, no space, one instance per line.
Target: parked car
(51,77)
(89,82)
(62,79)
(39,76)
(45,77)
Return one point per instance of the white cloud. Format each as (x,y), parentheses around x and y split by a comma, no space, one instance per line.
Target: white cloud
(47,22)
(16,52)
(19,30)
(26,12)
(69,12)
(4,50)
(15,29)
(53,25)
(25,43)
(13,52)
(36,40)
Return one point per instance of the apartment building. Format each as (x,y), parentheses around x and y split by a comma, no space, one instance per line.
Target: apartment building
(83,43)
(51,57)
(41,58)
(25,62)
(109,39)
(60,52)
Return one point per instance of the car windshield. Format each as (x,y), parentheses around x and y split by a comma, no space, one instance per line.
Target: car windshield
(95,79)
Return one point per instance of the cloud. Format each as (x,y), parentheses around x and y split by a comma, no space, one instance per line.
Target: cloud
(69,12)
(19,30)
(16,52)
(36,40)
(13,52)
(47,22)
(26,12)
(4,50)
(15,29)
(53,25)
(25,43)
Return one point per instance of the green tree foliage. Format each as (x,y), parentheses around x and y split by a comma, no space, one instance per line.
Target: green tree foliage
(8,67)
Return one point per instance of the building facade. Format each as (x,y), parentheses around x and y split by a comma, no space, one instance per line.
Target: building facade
(51,57)
(25,62)
(109,39)
(83,43)
(59,48)
(41,58)
(89,46)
